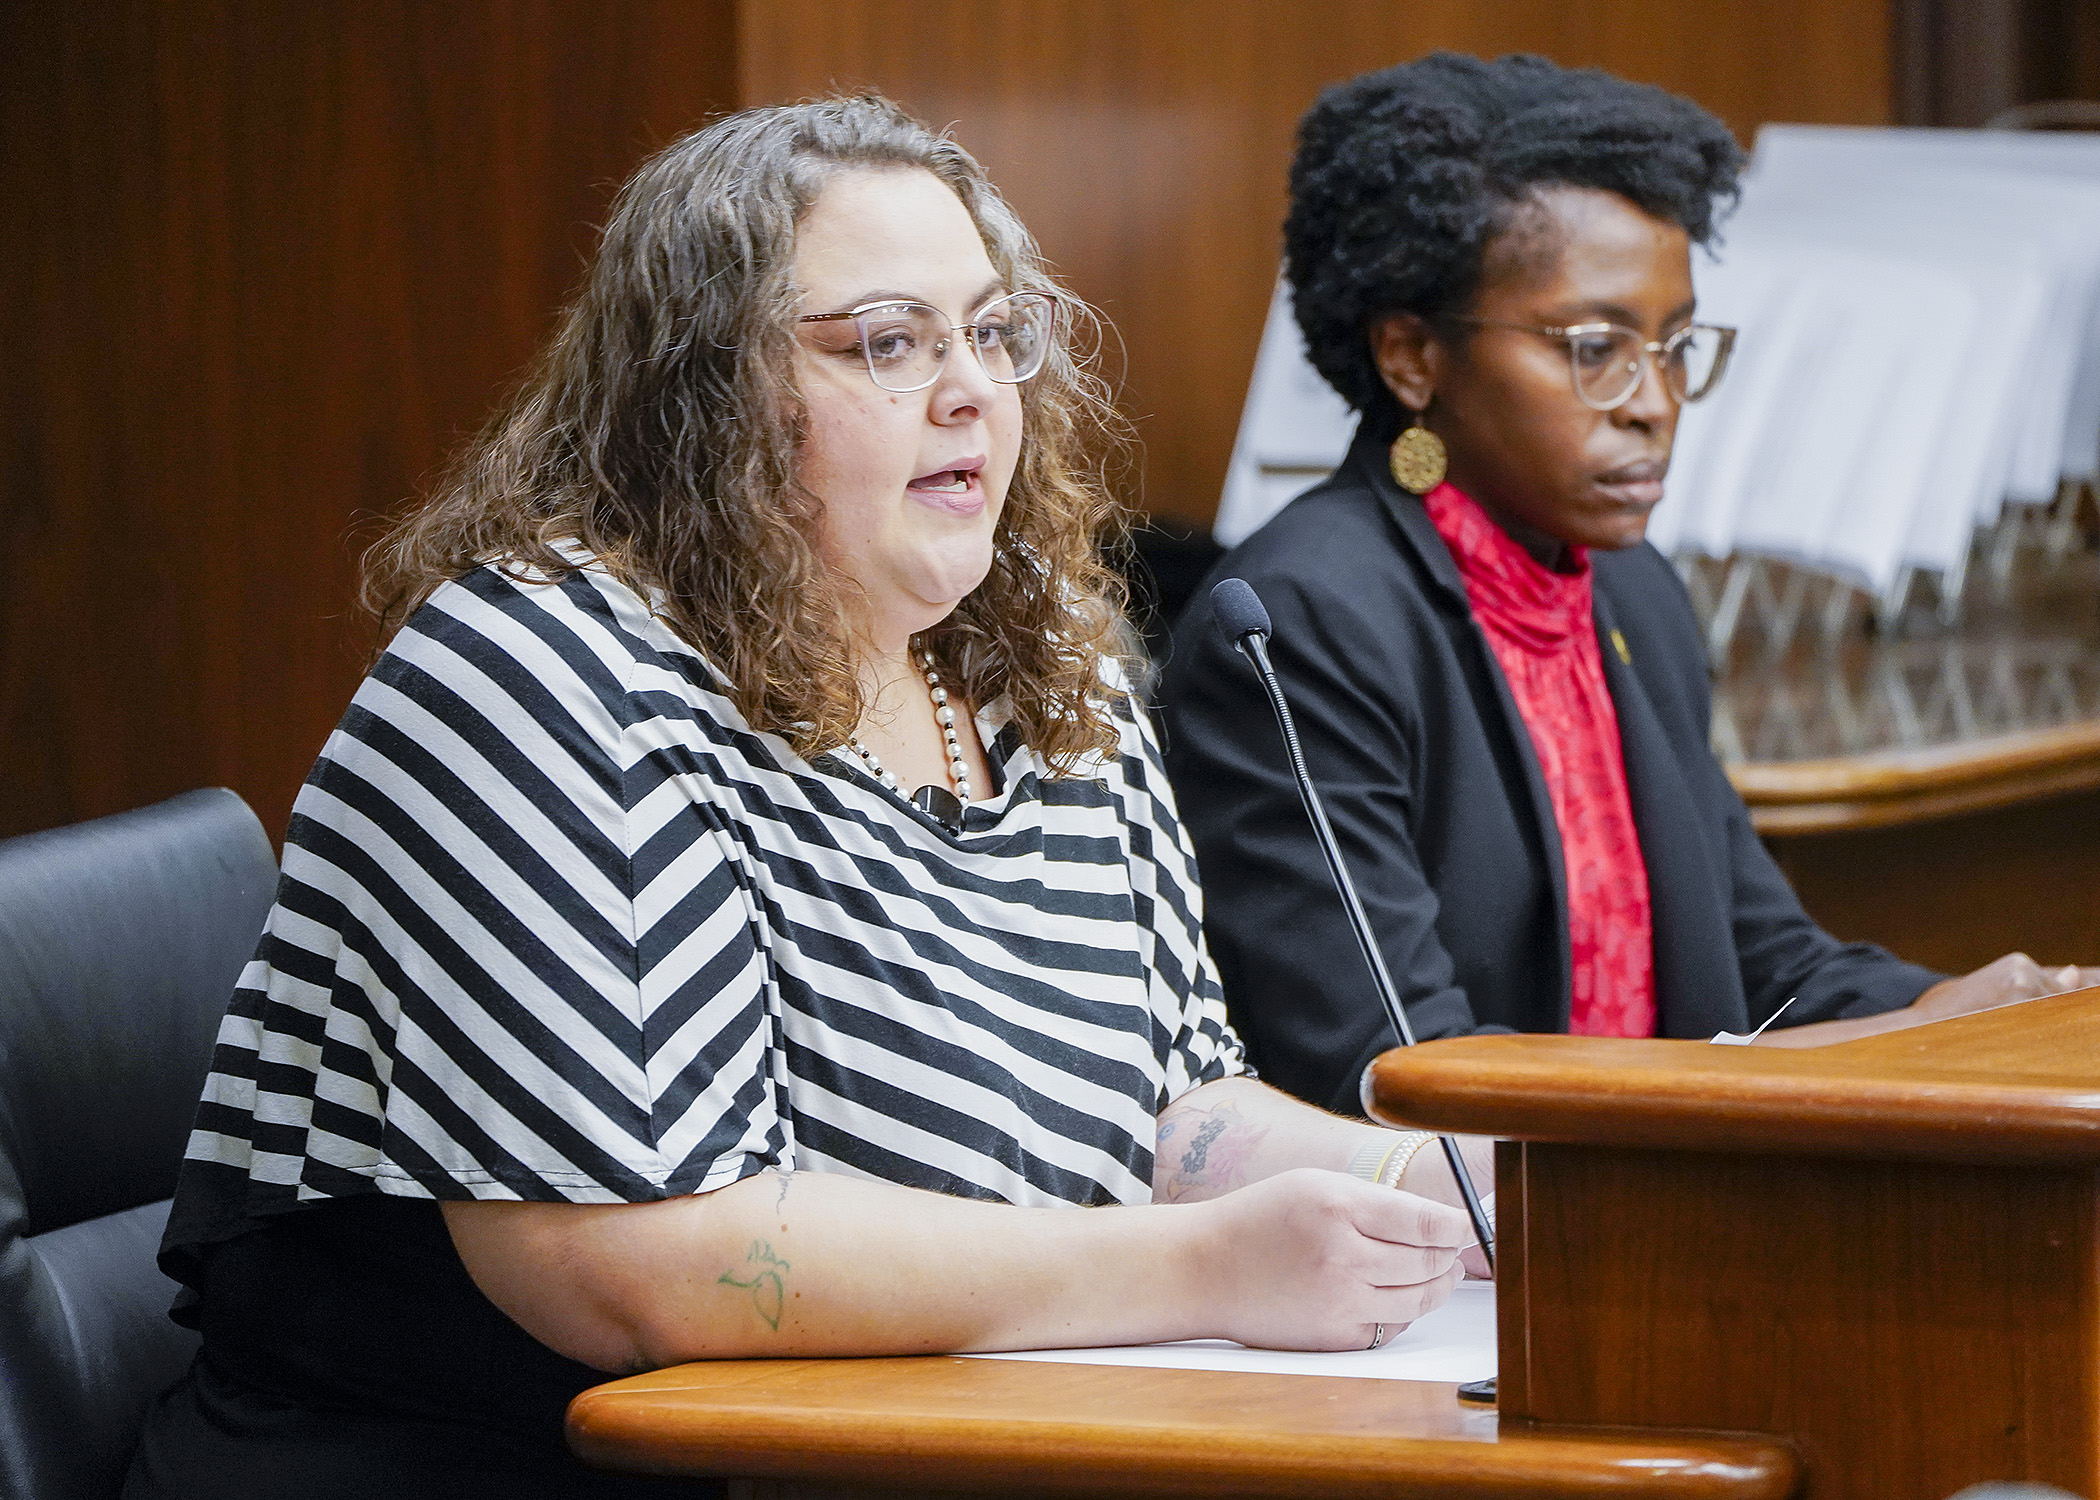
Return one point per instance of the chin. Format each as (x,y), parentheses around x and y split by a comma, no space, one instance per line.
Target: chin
(1617,532)
(1619,540)
(943,590)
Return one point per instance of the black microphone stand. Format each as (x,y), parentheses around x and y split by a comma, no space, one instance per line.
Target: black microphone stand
(1252,640)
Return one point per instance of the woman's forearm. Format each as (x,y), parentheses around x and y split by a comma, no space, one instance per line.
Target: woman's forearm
(817,1264)
(812,1264)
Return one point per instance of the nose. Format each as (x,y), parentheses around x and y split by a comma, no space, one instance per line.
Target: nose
(962,391)
(1653,405)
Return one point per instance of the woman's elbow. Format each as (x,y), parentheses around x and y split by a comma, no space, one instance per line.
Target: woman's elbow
(552,1270)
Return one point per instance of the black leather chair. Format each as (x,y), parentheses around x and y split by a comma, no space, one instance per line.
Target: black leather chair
(120,941)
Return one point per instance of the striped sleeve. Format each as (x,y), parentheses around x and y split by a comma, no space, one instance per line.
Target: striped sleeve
(504,962)
(1188,1004)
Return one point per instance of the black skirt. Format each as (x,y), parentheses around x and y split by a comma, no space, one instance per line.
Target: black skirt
(348,1354)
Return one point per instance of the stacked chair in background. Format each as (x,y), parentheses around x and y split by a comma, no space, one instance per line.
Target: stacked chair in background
(1921,350)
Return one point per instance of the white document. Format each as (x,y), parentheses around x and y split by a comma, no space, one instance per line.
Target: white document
(1455,1343)
(1731,1039)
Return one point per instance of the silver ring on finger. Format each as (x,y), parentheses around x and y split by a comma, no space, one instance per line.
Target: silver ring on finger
(1377,1336)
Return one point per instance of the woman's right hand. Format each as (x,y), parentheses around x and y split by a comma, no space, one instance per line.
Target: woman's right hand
(1312,1259)
(2005,981)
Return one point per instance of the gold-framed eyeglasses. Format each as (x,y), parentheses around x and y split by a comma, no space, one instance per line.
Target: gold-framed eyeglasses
(1604,359)
(905,343)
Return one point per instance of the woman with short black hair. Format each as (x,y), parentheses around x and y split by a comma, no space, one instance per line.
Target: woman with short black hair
(1500,685)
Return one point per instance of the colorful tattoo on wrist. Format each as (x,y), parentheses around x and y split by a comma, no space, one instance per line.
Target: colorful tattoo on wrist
(1217,1155)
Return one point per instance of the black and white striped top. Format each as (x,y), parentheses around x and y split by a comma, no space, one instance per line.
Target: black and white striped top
(556,924)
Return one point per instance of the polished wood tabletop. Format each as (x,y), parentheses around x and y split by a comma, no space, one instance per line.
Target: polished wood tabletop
(1015,1427)
(2019,1084)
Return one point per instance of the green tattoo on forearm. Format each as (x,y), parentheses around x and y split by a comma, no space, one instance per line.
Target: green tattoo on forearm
(766,1281)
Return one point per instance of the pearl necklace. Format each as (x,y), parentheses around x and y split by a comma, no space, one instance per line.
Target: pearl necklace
(944,715)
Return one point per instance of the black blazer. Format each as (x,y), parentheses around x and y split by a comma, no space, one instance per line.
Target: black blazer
(1435,792)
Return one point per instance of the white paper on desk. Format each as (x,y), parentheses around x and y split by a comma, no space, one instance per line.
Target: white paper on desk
(1454,1343)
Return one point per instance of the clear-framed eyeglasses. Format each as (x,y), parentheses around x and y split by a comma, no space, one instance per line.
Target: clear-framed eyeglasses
(1605,359)
(905,343)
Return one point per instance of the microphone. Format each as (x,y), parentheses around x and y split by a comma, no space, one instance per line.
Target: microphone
(1241,616)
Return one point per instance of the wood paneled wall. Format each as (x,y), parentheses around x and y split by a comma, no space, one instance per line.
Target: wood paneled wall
(1146,144)
(1961,62)
(263,264)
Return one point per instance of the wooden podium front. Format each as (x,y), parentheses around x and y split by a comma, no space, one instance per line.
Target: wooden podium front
(1886,1251)
(1867,1270)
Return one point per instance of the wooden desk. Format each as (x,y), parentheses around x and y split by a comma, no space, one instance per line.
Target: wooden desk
(1950,854)
(1887,1251)
(1884,1255)
(1013,1428)
(1938,794)
(1953,893)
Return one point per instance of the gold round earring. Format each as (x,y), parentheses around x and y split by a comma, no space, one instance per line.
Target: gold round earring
(1418,459)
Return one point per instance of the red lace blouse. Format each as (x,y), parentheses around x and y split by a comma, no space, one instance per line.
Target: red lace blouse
(1540,626)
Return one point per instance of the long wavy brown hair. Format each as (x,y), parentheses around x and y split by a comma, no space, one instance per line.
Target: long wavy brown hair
(659,429)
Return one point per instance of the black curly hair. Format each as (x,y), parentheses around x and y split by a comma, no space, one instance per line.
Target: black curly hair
(1405,177)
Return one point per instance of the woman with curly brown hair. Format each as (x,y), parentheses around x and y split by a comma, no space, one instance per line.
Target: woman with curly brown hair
(620,1007)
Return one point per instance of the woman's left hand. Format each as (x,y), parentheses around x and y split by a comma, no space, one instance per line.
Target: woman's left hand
(1429,1175)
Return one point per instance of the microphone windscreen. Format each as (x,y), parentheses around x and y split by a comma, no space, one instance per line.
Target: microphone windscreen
(1238,609)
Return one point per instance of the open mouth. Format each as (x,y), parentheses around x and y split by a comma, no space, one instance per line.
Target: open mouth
(944,482)
(959,487)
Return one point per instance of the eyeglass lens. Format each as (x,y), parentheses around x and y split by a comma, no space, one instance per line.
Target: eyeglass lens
(905,342)
(1607,363)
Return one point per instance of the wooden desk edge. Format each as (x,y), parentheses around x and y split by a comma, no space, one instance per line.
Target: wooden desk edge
(733,1422)
(1902,1096)
(1908,786)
